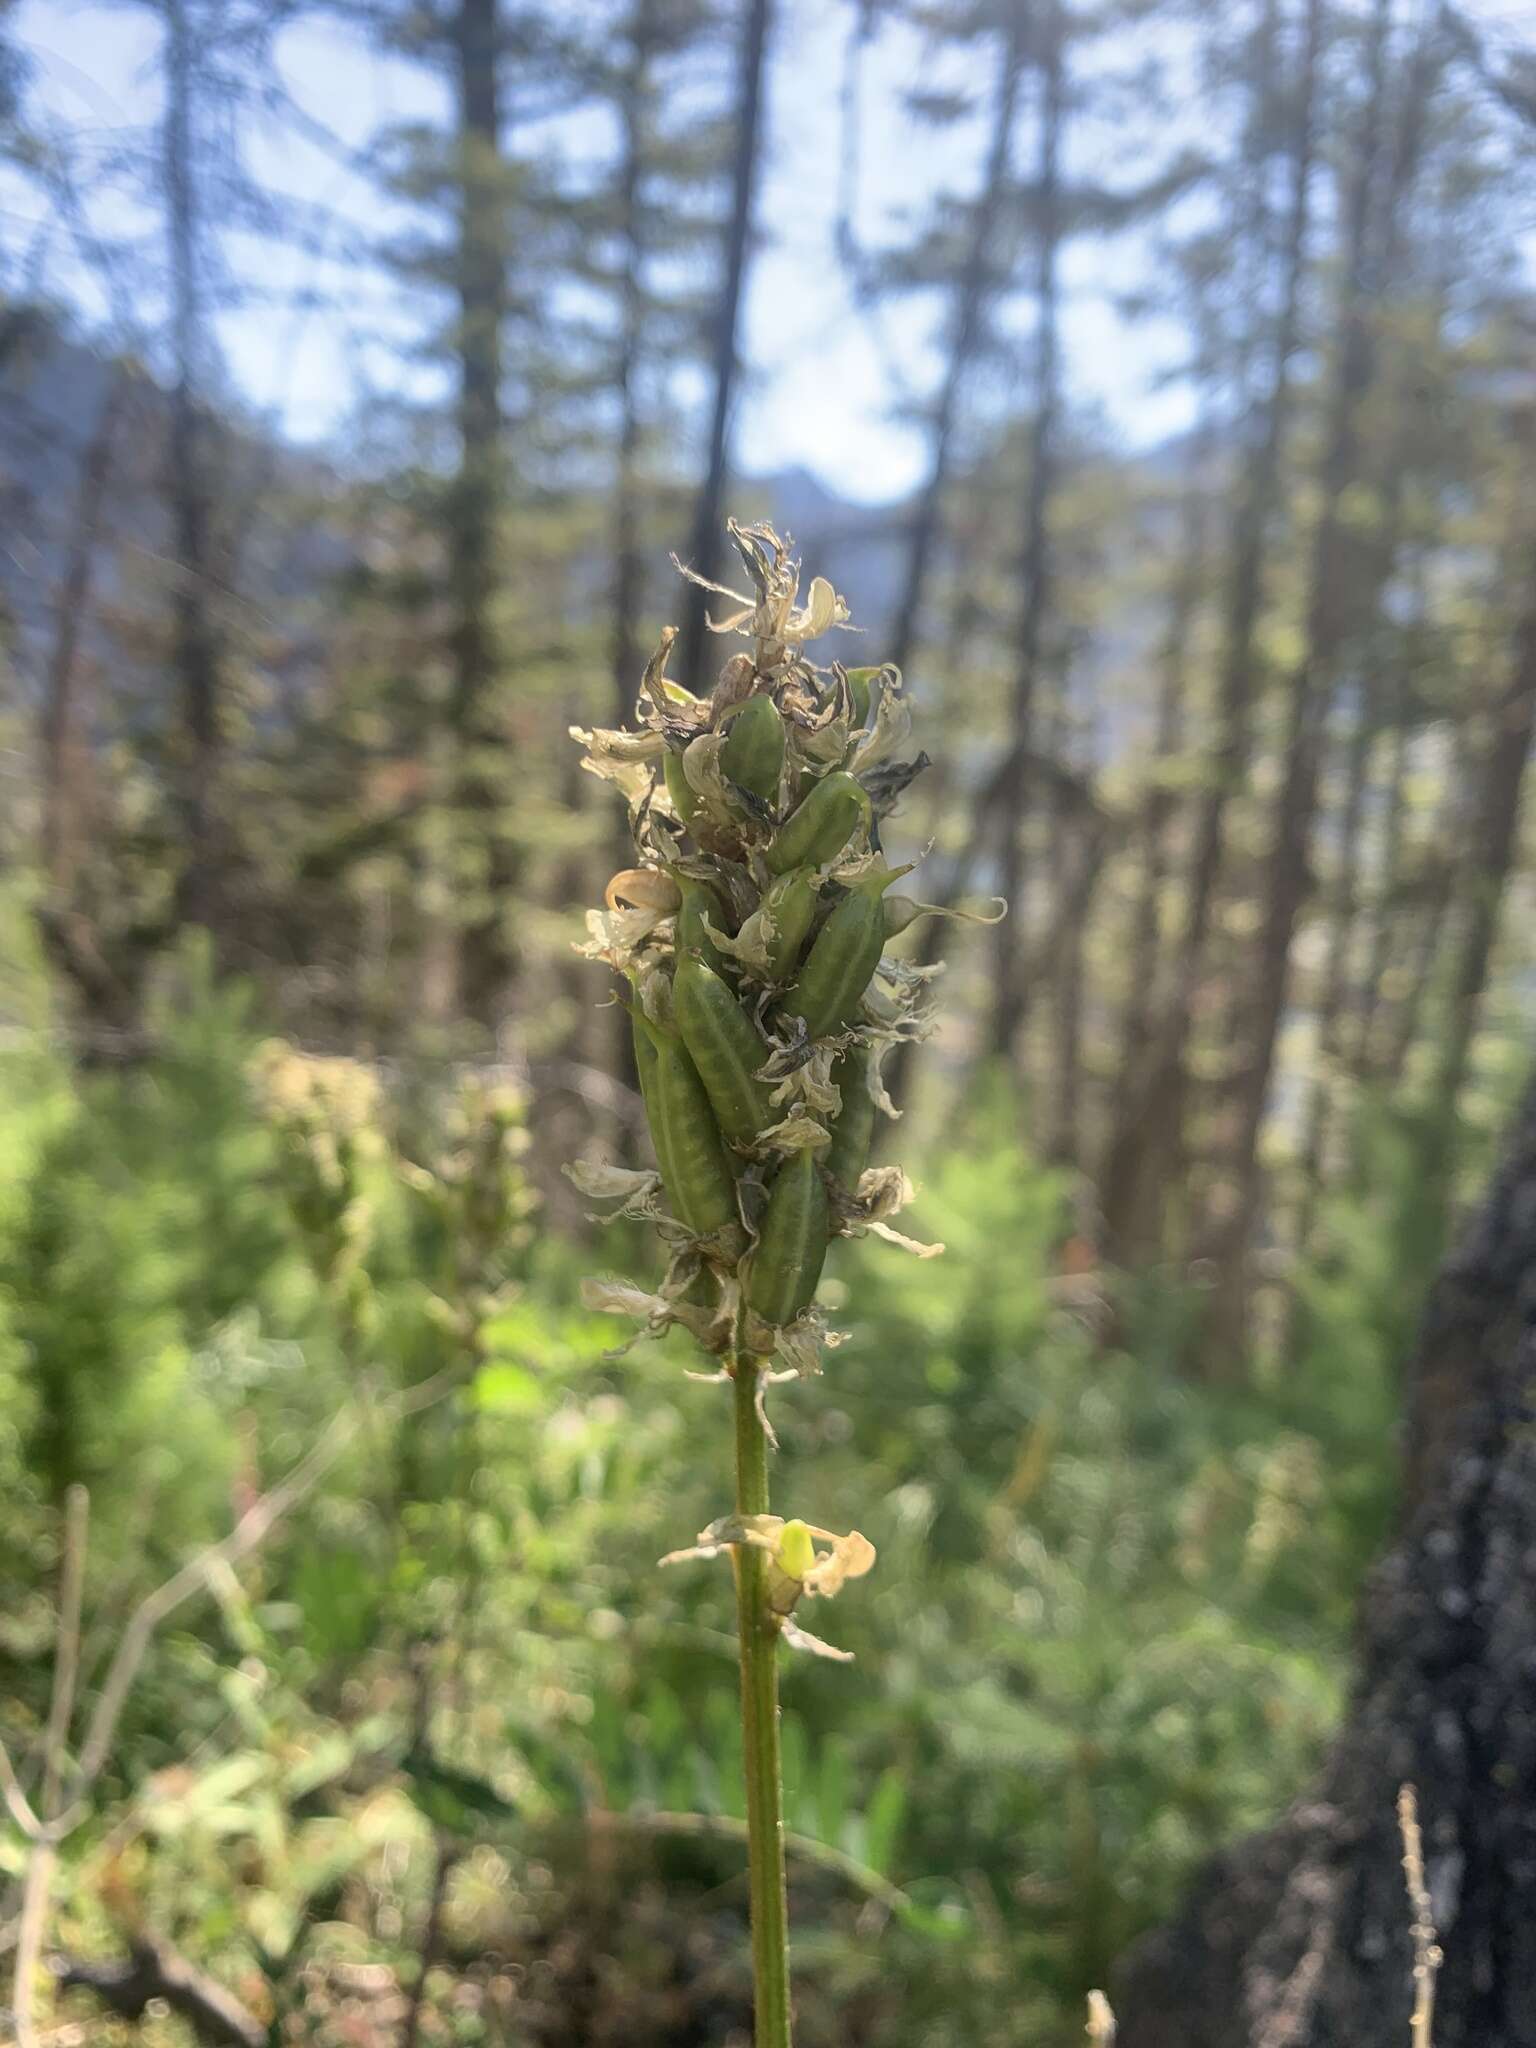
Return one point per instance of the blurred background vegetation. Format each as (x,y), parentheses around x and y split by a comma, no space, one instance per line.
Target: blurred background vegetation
(1158,383)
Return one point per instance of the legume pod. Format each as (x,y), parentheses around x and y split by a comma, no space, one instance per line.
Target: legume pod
(726,1048)
(841,963)
(699,902)
(791,902)
(792,1247)
(853,1128)
(822,826)
(753,751)
(695,1170)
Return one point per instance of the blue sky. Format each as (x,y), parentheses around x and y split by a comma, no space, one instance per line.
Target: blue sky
(819,396)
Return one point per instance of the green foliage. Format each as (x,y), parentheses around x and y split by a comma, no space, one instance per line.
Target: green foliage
(1108,1630)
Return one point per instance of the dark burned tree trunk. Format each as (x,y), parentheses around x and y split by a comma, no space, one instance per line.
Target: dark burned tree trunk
(1299,1938)
(704,548)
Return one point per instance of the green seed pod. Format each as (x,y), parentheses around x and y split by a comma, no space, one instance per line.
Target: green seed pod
(841,964)
(853,1128)
(791,901)
(753,753)
(793,1244)
(823,825)
(685,798)
(695,1170)
(725,1046)
(699,902)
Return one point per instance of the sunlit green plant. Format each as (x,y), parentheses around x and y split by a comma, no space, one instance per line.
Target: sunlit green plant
(752,935)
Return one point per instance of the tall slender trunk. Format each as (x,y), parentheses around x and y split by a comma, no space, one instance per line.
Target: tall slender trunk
(628,561)
(1334,577)
(628,574)
(65,713)
(1009,993)
(1332,1005)
(1384,882)
(475,510)
(198,653)
(704,548)
(1069,988)
(965,622)
(1159,1114)
(970,303)
(1133,1236)
(1399,1033)
(1495,822)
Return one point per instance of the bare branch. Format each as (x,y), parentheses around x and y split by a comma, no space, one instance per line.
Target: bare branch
(154,1970)
(252,1529)
(35,1902)
(16,1800)
(1426,1947)
(66,1662)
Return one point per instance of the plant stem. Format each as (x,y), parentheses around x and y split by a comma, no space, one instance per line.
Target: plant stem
(760,1727)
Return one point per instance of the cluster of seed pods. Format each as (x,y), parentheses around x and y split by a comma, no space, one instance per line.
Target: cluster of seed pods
(752,938)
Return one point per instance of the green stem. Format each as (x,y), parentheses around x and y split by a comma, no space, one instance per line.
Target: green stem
(760,1727)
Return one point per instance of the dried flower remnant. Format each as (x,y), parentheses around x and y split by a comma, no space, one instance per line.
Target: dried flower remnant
(750,935)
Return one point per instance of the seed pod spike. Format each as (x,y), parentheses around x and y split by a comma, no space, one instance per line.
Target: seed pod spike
(751,929)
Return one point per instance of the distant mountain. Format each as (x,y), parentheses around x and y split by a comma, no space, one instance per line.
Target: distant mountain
(287,542)
(279,549)
(860,549)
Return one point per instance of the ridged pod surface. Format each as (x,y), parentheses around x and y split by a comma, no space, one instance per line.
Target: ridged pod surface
(753,753)
(853,1128)
(700,903)
(841,964)
(694,1167)
(821,826)
(725,1047)
(791,903)
(792,1244)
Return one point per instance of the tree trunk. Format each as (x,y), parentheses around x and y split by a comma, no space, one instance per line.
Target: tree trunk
(628,573)
(1133,1234)
(628,560)
(1333,1002)
(475,512)
(708,517)
(198,654)
(1009,994)
(65,740)
(1161,1093)
(970,302)
(1300,1937)
(1495,833)
(1339,576)
(1385,880)
(1069,989)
